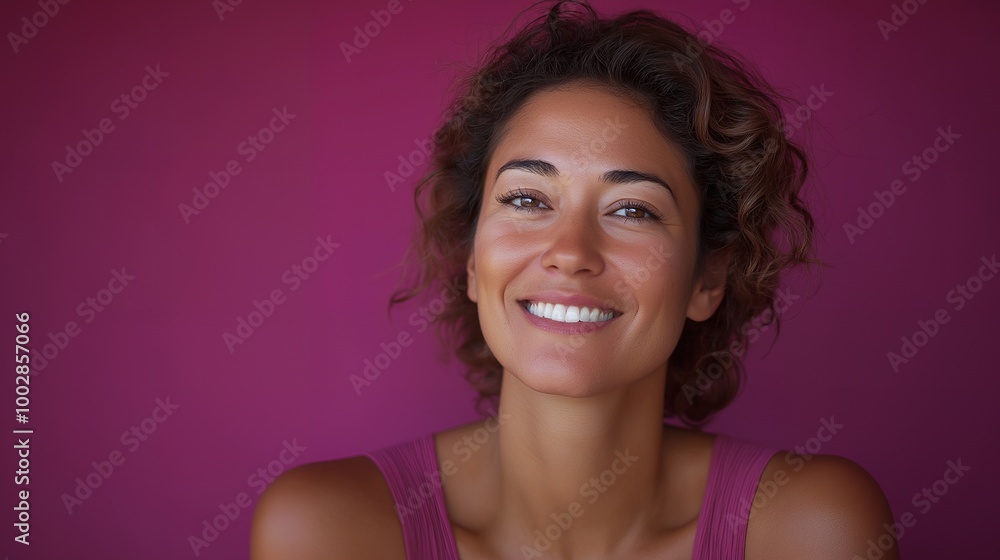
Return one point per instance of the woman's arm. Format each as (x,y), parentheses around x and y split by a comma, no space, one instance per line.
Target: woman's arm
(331,510)
(821,507)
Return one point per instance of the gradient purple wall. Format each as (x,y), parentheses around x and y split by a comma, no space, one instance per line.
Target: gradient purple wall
(320,175)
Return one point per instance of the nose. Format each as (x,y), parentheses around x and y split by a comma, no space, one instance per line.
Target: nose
(574,245)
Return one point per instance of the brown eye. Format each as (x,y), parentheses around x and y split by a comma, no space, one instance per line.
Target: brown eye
(522,201)
(527,202)
(637,213)
(634,210)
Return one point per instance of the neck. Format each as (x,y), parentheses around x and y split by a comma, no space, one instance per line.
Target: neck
(580,473)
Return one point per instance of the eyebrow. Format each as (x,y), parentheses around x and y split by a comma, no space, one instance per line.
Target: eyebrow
(615,176)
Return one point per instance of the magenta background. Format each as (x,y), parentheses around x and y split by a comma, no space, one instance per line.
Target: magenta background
(323,176)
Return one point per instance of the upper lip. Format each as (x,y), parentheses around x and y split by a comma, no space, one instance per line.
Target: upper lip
(571,298)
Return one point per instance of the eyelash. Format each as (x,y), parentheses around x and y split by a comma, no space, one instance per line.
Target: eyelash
(628,203)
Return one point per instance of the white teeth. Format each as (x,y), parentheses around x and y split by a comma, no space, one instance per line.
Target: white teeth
(573,315)
(569,313)
(559,313)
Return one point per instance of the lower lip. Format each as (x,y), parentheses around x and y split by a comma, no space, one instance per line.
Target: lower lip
(580,328)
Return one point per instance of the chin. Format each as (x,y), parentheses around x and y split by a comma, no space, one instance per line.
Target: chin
(559,378)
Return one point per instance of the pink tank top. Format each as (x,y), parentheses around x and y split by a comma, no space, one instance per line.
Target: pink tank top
(411,470)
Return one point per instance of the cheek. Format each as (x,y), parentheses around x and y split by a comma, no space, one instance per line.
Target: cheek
(502,250)
(495,266)
(662,302)
(653,276)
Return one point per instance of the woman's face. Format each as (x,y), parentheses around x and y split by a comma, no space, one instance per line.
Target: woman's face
(586,204)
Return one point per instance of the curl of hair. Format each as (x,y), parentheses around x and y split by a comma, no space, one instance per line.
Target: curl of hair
(711,103)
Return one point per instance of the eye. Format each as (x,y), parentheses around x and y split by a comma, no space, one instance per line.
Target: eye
(634,210)
(521,200)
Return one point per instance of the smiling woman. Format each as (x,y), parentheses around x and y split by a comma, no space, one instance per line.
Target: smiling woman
(610,194)
(555,236)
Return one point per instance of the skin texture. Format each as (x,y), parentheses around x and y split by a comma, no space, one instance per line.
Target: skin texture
(567,406)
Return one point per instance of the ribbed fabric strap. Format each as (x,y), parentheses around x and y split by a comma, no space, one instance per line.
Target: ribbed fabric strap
(733,476)
(411,471)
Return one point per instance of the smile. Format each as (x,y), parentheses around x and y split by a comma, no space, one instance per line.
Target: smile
(567,313)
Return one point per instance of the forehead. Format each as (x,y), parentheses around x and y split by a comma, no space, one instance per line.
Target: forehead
(585,127)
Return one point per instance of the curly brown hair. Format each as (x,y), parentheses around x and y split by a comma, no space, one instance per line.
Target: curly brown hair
(711,103)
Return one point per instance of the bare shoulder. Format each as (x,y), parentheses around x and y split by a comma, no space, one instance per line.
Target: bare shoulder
(327,510)
(819,506)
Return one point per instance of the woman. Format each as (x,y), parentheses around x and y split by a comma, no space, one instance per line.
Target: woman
(618,201)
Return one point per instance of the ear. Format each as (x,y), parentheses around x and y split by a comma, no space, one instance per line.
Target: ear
(470,267)
(709,287)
